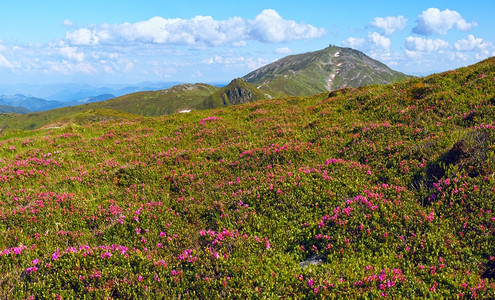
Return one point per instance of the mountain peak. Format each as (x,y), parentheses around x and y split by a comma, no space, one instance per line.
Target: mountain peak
(321,71)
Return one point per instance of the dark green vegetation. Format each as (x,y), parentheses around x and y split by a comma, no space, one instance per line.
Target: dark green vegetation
(320,71)
(390,188)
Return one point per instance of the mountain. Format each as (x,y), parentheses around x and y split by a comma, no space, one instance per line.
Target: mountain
(92,99)
(31,103)
(13,109)
(37,104)
(320,71)
(238,91)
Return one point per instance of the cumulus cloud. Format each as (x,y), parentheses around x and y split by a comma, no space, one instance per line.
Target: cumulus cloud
(372,42)
(379,40)
(418,44)
(87,36)
(389,24)
(268,27)
(433,20)
(355,43)
(71,53)
(474,44)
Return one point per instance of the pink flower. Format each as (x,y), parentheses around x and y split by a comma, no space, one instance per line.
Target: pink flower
(267,244)
(310,283)
(56,254)
(35,262)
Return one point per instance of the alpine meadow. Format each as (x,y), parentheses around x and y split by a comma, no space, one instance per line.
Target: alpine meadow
(357,193)
(350,172)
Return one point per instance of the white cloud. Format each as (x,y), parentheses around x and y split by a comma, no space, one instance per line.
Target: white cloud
(284,50)
(418,44)
(4,62)
(355,43)
(86,36)
(68,68)
(379,40)
(389,24)
(71,53)
(239,61)
(433,20)
(68,23)
(268,27)
(474,44)
(374,42)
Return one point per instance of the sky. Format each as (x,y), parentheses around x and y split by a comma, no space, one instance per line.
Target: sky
(102,42)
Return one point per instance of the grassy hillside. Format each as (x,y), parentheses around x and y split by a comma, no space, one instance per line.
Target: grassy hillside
(153,103)
(382,191)
(320,71)
(5,109)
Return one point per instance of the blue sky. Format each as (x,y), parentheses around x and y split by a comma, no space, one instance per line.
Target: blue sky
(128,41)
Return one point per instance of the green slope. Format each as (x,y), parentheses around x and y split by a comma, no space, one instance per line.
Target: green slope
(325,70)
(154,103)
(368,193)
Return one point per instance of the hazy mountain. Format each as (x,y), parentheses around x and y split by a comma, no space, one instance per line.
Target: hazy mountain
(325,70)
(31,103)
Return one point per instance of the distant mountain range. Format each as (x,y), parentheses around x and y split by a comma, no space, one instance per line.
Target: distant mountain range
(33,104)
(296,75)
